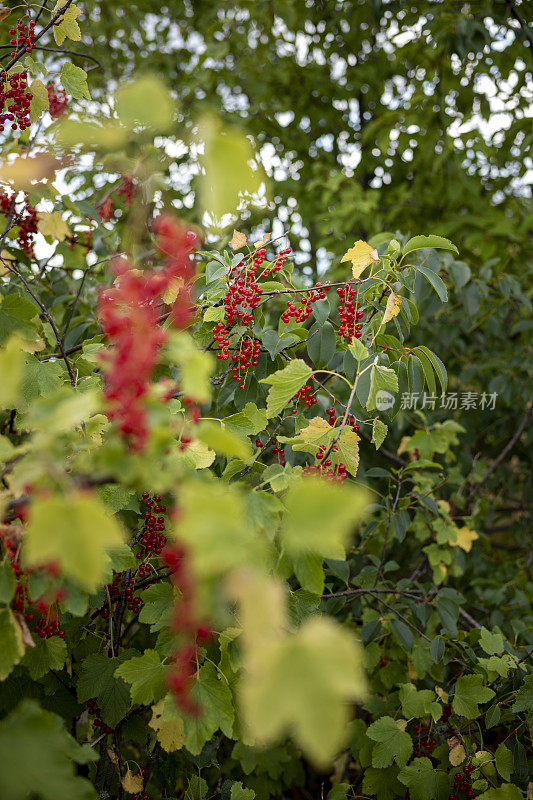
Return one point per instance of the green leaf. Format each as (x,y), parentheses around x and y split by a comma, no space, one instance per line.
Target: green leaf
(347,452)
(211,691)
(195,366)
(249,422)
(403,633)
(419,703)
(312,675)
(423,780)
(321,344)
(382,782)
(469,691)
(436,363)
(524,696)
(309,571)
(231,173)
(319,517)
(379,432)
(11,369)
(97,679)
(358,350)
(7,581)
(383,385)
(393,744)
(146,676)
(436,282)
(75,532)
(197,788)
(46,655)
(74,81)
(506,792)
(217,534)
(492,643)
(238,792)
(338,792)
(39,100)
(146,102)
(504,761)
(284,384)
(38,756)
(216,437)
(436,242)
(12,646)
(67,24)
(157,602)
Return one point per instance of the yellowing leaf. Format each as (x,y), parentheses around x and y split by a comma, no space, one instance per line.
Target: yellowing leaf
(299,683)
(361,255)
(457,752)
(74,531)
(320,516)
(11,370)
(465,538)
(39,101)
(133,784)
(172,291)
(169,732)
(12,648)
(67,25)
(264,240)
(238,240)
(21,172)
(52,224)
(393,307)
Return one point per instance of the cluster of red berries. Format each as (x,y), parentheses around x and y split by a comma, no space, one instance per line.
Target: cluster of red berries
(129,315)
(383,661)
(152,538)
(23,36)
(351,421)
(332,417)
(423,745)
(246,357)
(40,612)
(241,298)
(128,189)
(94,711)
(105,209)
(306,395)
(191,630)
(301,313)
(349,313)
(336,473)
(278,451)
(25,218)
(57,101)
(15,101)
(462,782)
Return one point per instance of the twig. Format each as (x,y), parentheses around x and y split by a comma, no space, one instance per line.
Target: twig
(497,461)
(385,542)
(41,33)
(48,317)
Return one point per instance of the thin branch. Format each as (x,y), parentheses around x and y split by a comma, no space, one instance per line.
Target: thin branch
(497,461)
(385,542)
(48,317)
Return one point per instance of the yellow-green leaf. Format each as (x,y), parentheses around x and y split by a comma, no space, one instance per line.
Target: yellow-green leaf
(75,532)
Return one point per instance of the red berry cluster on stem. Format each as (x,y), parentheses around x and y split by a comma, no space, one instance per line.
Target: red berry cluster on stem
(15,101)
(301,313)
(22,37)
(129,312)
(25,218)
(349,314)
(189,628)
(57,101)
